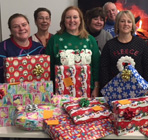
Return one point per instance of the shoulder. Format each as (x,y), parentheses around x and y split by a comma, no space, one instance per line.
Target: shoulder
(5,42)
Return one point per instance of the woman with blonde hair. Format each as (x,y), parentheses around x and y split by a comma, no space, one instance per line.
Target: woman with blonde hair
(125,44)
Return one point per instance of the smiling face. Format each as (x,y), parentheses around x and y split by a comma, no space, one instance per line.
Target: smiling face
(111,11)
(72,21)
(20,29)
(125,24)
(43,21)
(96,24)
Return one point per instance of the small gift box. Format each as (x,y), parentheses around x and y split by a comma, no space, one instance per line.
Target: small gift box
(24,93)
(30,117)
(27,68)
(127,84)
(67,130)
(86,110)
(73,80)
(129,114)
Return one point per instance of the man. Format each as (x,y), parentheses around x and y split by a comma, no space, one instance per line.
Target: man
(110,11)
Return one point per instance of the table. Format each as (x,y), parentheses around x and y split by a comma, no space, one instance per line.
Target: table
(13,132)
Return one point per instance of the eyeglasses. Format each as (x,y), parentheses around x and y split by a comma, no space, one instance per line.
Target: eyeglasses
(44,18)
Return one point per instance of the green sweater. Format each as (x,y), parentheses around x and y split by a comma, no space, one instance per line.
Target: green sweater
(66,41)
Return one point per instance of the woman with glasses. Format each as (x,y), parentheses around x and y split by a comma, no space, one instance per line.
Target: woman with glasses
(19,43)
(42,18)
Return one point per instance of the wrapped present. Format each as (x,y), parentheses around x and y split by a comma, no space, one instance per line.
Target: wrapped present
(12,95)
(67,130)
(30,117)
(127,84)
(27,68)
(59,100)
(86,110)
(129,114)
(73,80)
(144,129)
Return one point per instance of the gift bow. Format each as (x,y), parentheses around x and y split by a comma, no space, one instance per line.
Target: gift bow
(128,115)
(38,70)
(2,94)
(33,107)
(126,74)
(84,102)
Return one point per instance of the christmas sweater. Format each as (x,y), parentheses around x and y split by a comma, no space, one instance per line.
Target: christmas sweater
(67,49)
(114,50)
(9,48)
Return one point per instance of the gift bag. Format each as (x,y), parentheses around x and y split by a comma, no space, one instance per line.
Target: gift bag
(127,84)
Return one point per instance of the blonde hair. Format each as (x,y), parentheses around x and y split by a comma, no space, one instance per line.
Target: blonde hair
(82,31)
(130,15)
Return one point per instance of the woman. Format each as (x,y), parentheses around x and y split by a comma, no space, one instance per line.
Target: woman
(19,43)
(73,37)
(42,18)
(95,21)
(125,44)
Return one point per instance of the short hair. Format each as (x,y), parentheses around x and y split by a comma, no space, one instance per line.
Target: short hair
(16,15)
(41,9)
(82,31)
(105,5)
(93,13)
(130,15)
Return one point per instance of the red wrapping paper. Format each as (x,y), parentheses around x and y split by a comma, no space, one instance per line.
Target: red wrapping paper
(20,69)
(79,76)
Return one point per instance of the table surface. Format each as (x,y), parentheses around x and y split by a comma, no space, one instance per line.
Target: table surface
(14,132)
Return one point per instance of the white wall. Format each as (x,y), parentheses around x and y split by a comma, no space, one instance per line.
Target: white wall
(27,7)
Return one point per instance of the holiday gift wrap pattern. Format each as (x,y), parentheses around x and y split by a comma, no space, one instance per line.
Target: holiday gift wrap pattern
(28,118)
(86,110)
(22,94)
(119,88)
(67,130)
(73,80)
(130,114)
(59,100)
(27,68)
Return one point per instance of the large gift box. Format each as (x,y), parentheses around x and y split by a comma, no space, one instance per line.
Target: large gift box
(22,94)
(27,68)
(127,84)
(130,114)
(73,80)
(67,130)
(86,110)
(30,117)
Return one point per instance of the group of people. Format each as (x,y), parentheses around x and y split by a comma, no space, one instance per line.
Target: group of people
(105,40)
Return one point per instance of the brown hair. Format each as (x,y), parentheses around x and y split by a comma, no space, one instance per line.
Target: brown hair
(16,15)
(93,13)
(82,31)
(41,9)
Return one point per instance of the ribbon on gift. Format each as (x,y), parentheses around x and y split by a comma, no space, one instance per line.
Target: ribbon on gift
(33,107)
(2,94)
(128,114)
(38,70)
(84,102)
(126,74)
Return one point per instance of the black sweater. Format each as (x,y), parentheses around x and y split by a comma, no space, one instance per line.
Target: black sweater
(113,50)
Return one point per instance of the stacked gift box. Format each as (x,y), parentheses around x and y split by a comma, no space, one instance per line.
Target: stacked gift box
(27,68)
(22,94)
(130,114)
(73,80)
